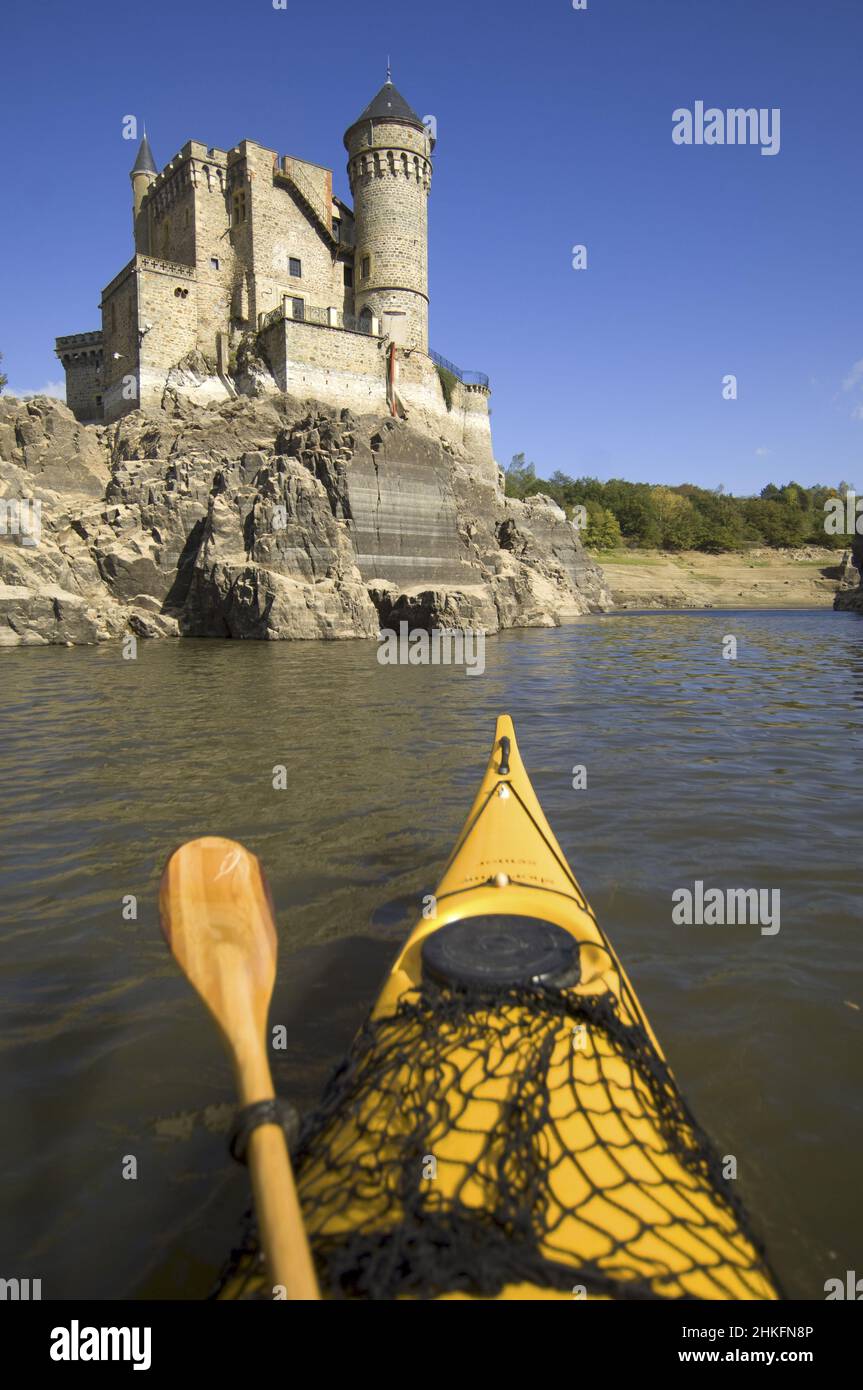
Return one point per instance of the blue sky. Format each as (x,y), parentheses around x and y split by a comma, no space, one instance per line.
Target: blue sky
(554,129)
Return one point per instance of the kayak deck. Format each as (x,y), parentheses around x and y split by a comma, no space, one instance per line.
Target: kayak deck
(505,1125)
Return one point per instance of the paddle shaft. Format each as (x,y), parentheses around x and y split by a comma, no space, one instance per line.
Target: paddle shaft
(283,1236)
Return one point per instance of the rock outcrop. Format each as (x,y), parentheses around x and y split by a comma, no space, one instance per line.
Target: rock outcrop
(850,596)
(265,518)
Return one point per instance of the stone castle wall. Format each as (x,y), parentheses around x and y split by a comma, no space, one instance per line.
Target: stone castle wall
(327,364)
(281,230)
(82,358)
(168,303)
(466,424)
(121,338)
(216,283)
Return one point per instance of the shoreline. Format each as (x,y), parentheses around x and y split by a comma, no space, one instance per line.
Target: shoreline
(651,580)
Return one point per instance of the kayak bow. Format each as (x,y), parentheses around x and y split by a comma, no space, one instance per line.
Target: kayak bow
(506,1125)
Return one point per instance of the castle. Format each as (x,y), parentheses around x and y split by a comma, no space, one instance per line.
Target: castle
(243,251)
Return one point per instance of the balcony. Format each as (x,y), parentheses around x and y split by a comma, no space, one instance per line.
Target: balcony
(322,318)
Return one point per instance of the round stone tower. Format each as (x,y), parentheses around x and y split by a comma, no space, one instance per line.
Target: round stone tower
(389,167)
(142,173)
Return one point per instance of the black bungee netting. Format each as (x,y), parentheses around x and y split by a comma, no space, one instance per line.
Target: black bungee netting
(523,1136)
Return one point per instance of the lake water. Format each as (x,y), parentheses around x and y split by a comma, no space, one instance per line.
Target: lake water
(739,773)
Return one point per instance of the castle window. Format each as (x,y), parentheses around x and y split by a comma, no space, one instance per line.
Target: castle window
(337,227)
(186,218)
(295,267)
(240,206)
(214,263)
(349,276)
(366,267)
(298,309)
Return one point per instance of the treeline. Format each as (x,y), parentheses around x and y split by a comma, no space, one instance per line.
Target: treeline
(652,516)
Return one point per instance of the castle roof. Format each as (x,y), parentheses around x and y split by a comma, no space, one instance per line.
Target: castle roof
(144,161)
(389,105)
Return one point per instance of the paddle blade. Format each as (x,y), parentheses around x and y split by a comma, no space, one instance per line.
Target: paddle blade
(217,918)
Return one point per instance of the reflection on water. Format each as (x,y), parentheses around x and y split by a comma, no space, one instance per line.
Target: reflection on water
(739,773)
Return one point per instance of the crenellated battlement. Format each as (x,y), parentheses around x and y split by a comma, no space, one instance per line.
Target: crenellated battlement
(379,161)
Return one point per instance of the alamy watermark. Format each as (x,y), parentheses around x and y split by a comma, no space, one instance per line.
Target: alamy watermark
(21,516)
(850,1287)
(735,126)
(442,646)
(77,1343)
(20,1290)
(843,516)
(719,907)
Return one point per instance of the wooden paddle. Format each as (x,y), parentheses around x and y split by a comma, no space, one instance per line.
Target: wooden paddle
(217,918)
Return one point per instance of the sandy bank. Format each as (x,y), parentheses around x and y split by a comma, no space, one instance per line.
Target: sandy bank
(691,579)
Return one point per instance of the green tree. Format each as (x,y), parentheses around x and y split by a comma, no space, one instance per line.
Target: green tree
(602,531)
(676,517)
(777,523)
(520,477)
(719,525)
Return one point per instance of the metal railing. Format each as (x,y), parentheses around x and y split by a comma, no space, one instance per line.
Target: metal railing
(312,313)
(355,324)
(468,378)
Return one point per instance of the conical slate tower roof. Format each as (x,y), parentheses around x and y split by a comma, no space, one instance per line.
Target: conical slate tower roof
(144,161)
(389,105)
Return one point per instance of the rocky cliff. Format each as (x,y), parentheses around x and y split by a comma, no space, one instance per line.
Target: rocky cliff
(265,518)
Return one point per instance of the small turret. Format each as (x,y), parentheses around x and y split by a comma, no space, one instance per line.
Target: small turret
(142,173)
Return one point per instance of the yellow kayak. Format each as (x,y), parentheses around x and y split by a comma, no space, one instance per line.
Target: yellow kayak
(506,1125)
